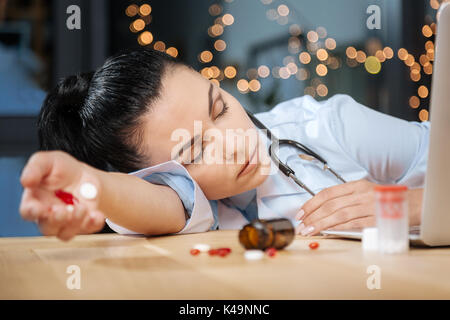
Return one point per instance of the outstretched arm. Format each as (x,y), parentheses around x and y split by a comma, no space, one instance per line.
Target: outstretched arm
(124,199)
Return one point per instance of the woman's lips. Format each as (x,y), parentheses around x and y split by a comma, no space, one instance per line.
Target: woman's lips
(250,165)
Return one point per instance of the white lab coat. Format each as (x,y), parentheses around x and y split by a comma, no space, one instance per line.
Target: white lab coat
(357,142)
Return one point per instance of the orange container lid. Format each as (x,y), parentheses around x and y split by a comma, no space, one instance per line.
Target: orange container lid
(390,188)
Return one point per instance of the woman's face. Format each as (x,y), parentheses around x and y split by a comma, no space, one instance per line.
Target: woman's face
(204,128)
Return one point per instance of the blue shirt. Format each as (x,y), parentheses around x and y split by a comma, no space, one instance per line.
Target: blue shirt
(357,142)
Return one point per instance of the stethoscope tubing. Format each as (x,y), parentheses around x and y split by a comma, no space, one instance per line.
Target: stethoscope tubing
(288,171)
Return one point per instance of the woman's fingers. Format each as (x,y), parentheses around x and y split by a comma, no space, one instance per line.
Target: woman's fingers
(93,222)
(340,217)
(325,195)
(330,207)
(37,168)
(359,223)
(30,208)
(74,220)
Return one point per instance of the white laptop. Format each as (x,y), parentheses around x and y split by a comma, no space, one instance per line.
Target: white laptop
(435,227)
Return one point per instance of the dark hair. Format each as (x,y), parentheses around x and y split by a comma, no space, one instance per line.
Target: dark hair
(96,116)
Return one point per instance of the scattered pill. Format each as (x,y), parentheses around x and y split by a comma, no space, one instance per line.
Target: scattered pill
(70,208)
(195,252)
(88,191)
(213,252)
(65,197)
(228,250)
(314,245)
(253,254)
(271,252)
(202,247)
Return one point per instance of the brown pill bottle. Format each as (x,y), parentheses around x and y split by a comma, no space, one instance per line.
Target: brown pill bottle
(262,234)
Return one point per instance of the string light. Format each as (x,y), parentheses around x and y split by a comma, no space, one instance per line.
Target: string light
(302,74)
(422,92)
(132,10)
(145,10)
(380,56)
(228,19)
(351,52)
(426,31)
(137,25)
(330,44)
(295,30)
(205,56)
(414,102)
(304,57)
(220,45)
(321,32)
(230,72)
(423,115)
(322,54)
(322,90)
(206,73)
(284,73)
(160,46)
(312,36)
(242,85)
(360,56)
(283,10)
(388,53)
(263,71)
(254,85)
(372,65)
(402,54)
(172,51)
(215,9)
(321,70)
(145,38)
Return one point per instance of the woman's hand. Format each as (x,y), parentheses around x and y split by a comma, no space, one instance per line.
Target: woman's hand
(47,172)
(348,206)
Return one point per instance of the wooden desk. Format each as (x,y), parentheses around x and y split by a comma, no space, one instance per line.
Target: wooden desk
(126,267)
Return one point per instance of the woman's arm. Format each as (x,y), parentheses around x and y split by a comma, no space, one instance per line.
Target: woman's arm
(138,205)
(127,200)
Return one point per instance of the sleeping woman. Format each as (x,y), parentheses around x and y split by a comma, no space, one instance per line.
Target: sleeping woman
(170,152)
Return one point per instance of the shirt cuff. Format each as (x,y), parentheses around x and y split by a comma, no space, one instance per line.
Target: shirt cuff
(171,173)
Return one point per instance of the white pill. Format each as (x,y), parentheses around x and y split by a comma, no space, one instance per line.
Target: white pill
(202,247)
(253,254)
(88,191)
(70,208)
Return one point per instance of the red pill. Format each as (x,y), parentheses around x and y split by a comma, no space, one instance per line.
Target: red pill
(195,252)
(223,253)
(314,245)
(213,252)
(227,250)
(65,197)
(271,252)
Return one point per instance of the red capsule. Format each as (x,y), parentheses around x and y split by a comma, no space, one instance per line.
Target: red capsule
(195,252)
(222,253)
(271,252)
(65,197)
(213,252)
(227,250)
(314,245)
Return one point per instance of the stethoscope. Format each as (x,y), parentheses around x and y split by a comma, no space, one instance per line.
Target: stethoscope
(310,155)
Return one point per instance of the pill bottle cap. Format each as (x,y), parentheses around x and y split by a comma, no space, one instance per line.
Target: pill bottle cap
(370,239)
(390,188)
